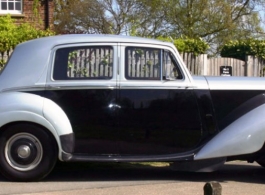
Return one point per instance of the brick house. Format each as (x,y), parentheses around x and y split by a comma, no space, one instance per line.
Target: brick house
(40,15)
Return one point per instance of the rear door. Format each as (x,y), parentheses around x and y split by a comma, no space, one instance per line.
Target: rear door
(83,83)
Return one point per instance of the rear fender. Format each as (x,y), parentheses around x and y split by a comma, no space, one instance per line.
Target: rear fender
(26,107)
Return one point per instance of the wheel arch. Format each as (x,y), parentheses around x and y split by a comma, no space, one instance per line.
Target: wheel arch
(21,107)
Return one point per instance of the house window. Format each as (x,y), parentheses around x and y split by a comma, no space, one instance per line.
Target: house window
(10,6)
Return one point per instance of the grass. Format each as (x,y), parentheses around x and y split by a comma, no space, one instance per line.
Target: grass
(109,165)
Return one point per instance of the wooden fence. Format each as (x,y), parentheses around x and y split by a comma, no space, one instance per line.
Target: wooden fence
(90,62)
(3,58)
(201,65)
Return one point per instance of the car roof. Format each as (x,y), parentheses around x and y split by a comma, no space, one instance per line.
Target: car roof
(28,64)
(92,38)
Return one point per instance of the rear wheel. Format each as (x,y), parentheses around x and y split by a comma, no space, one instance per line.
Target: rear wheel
(27,152)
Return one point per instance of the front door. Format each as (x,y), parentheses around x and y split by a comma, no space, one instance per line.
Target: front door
(158,110)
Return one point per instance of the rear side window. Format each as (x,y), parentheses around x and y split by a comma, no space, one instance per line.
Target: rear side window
(142,63)
(83,63)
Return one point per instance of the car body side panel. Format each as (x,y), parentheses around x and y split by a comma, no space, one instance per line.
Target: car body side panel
(239,113)
(226,101)
(92,116)
(158,121)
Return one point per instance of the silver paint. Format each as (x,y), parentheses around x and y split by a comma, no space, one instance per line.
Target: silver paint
(245,135)
(236,83)
(19,106)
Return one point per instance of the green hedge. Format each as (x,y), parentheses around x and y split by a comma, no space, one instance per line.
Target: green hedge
(241,48)
(196,46)
(12,34)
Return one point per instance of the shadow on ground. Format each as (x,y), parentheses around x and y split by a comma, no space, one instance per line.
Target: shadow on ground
(240,172)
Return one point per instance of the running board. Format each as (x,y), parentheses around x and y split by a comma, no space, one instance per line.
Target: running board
(118,158)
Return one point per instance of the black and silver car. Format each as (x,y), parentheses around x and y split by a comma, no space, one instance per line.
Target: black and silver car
(110,98)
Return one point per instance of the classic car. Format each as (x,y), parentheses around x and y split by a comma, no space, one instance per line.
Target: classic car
(111,98)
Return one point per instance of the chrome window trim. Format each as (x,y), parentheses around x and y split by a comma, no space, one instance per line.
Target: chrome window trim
(186,83)
(80,83)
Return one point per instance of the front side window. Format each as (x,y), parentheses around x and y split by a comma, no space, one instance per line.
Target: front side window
(171,70)
(10,6)
(83,63)
(148,63)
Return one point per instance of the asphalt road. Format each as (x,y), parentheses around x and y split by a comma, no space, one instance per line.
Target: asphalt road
(67,179)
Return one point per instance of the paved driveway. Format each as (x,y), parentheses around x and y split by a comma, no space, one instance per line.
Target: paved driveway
(67,179)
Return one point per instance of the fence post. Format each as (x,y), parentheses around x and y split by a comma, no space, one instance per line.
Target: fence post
(249,66)
(204,64)
(212,188)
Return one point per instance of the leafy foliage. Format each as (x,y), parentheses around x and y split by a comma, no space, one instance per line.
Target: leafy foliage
(196,46)
(12,34)
(240,48)
(216,22)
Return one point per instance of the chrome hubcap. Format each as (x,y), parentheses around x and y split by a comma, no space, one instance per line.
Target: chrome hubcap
(23,151)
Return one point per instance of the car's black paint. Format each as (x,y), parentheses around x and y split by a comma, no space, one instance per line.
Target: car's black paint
(138,122)
(92,117)
(208,118)
(148,122)
(231,104)
(158,121)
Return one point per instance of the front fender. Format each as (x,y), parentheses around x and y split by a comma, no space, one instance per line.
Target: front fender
(243,136)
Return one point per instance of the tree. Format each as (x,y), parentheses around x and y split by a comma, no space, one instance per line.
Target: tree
(215,21)
(92,16)
(80,16)
(118,14)
(148,19)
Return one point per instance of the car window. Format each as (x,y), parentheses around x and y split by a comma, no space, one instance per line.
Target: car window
(142,63)
(83,63)
(171,70)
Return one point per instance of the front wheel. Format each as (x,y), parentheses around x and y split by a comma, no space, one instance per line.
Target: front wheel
(27,152)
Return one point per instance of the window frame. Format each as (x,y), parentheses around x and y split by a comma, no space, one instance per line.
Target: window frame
(9,11)
(82,46)
(161,60)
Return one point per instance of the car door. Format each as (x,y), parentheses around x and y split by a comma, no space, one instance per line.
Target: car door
(83,83)
(158,112)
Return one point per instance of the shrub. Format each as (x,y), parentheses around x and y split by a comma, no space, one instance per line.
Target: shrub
(12,34)
(241,48)
(196,46)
